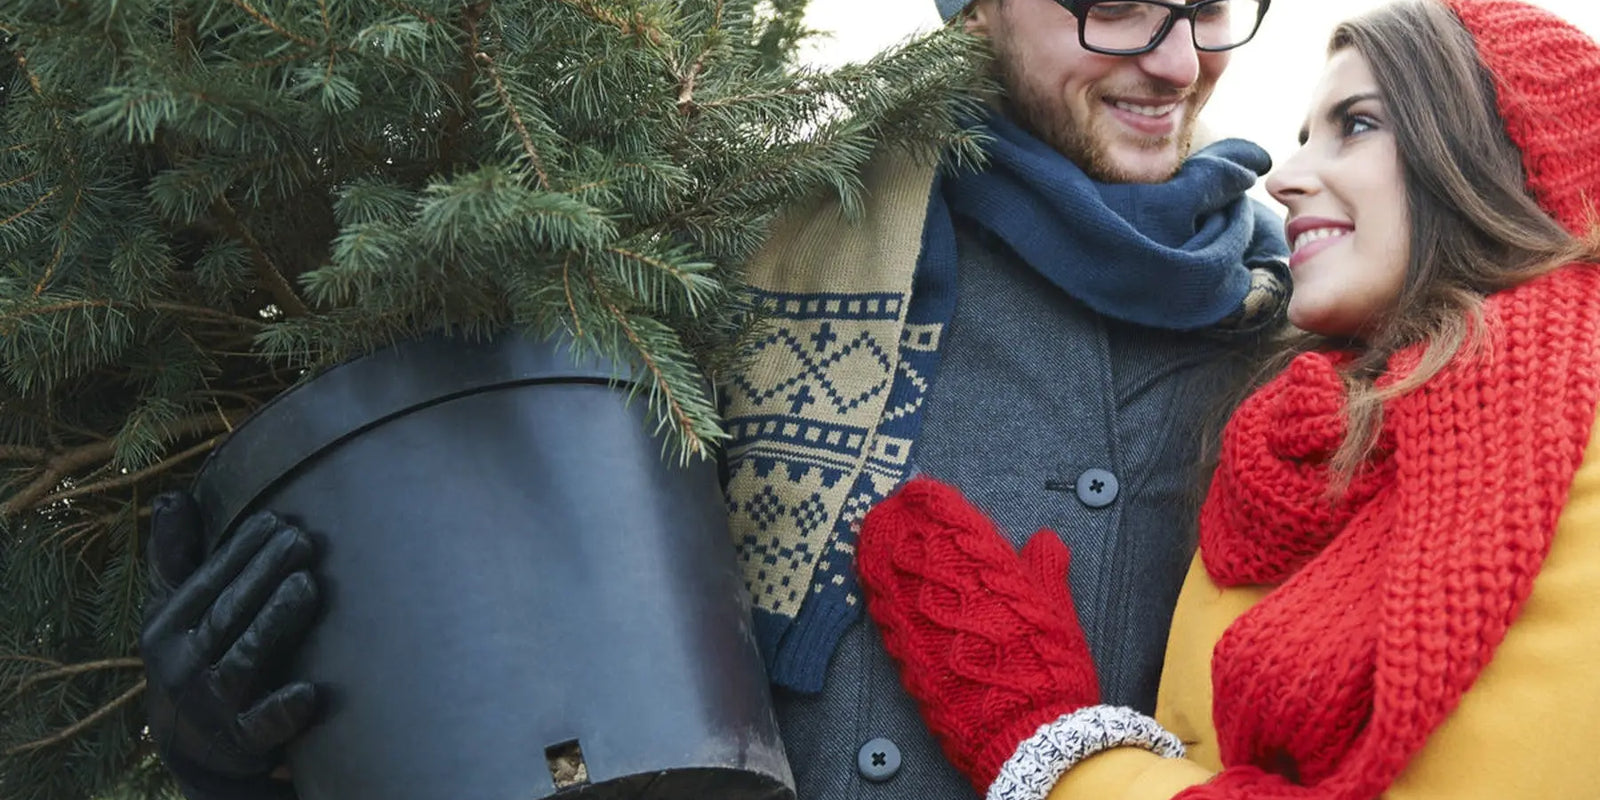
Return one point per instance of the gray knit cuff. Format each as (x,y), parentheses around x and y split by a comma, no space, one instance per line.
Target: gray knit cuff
(1040,761)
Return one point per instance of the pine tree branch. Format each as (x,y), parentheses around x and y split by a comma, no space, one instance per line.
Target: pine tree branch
(686,92)
(58,427)
(413,11)
(275,27)
(132,477)
(516,120)
(692,443)
(249,401)
(455,117)
(200,312)
(35,204)
(67,535)
(81,725)
(633,27)
(333,49)
(22,179)
(53,308)
(182,35)
(176,308)
(55,469)
(55,121)
(76,669)
(566,283)
(272,278)
(30,659)
(61,244)
(678,274)
(753,177)
(65,463)
(723,102)
(17,452)
(271,63)
(33,80)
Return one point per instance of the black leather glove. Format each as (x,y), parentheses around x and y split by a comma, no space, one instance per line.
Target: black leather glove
(218,634)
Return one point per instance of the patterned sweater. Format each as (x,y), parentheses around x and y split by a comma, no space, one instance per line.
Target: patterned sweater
(822,419)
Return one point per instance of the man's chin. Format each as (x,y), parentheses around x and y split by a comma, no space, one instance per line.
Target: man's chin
(1121,164)
(1108,152)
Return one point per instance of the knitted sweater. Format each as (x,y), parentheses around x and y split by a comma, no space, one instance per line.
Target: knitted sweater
(819,419)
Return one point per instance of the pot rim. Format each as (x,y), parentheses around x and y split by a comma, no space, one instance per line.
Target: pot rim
(374,388)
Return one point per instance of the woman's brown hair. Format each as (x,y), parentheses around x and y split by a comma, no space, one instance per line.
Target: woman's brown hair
(1475,228)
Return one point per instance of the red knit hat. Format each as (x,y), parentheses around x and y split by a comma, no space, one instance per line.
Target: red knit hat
(1547,76)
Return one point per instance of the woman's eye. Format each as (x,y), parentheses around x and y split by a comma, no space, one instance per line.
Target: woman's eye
(1354,124)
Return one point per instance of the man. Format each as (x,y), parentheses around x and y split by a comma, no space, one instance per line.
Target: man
(1043,334)
(1046,334)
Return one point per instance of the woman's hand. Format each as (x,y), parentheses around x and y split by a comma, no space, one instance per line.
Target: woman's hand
(987,640)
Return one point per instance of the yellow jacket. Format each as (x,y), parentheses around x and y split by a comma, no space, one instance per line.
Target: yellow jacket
(1528,728)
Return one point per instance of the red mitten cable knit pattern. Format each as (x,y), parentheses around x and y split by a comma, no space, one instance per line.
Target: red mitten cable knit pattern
(987,640)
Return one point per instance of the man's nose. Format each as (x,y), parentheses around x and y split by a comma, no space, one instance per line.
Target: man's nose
(1175,61)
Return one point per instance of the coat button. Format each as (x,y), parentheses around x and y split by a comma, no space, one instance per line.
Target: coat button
(1097,488)
(878,760)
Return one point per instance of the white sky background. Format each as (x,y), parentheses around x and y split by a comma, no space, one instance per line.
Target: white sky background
(1262,97)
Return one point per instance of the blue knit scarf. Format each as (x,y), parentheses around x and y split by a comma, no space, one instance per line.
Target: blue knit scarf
(1175,255)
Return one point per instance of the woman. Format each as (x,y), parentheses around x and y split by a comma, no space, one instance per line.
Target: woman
(1400,550)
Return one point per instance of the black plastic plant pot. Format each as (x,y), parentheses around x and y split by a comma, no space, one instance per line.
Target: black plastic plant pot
(523,596)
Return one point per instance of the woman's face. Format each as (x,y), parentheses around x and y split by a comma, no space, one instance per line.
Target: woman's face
(1348,223)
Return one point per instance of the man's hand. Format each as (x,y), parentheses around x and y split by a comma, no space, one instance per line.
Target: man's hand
(218,634)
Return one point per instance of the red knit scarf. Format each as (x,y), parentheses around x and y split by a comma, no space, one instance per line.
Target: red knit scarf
(1387,605)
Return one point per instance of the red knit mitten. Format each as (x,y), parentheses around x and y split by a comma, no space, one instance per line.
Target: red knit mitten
(987,641)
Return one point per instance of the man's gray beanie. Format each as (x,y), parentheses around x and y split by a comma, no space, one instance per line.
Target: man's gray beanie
(949,8)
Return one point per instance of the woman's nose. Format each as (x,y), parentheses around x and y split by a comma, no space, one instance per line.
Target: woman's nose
(1295,180)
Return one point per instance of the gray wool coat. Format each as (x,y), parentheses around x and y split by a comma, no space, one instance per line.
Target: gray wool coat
(1045,414)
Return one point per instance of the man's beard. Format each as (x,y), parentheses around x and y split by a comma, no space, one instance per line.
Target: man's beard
(1048,118)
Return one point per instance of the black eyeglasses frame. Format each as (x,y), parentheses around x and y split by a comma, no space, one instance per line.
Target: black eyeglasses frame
(1080,9)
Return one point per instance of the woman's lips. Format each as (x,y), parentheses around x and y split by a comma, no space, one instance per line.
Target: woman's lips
(1309,236)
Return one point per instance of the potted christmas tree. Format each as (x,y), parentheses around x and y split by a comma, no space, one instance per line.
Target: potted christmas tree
(206,205)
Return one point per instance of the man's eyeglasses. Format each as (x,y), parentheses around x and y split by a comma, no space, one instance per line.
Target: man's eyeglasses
(1131,27)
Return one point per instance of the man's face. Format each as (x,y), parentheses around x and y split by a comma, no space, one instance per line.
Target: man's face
(1122,119)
